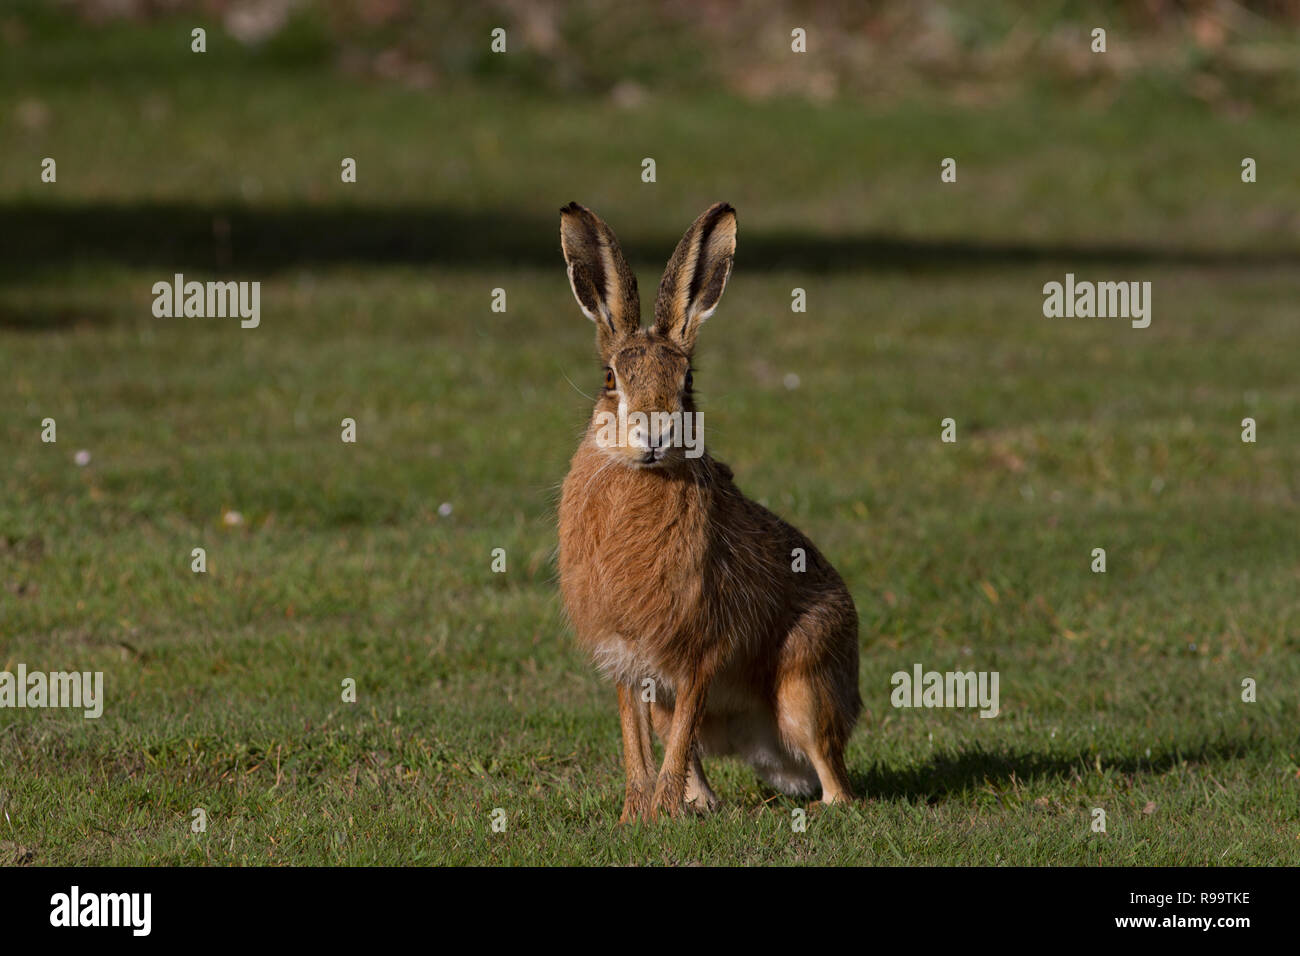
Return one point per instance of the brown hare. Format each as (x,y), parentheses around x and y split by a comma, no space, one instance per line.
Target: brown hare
(670,575)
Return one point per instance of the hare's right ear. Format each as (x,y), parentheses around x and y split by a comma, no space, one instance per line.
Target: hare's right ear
(602,282)
(696,275)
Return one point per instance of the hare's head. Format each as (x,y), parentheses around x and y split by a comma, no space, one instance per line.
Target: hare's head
(645,415)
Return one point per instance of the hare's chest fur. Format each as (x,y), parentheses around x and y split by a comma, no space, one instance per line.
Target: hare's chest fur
(633,550)
(623,662)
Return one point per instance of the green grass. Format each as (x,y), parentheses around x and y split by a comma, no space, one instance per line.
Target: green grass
(1119,691)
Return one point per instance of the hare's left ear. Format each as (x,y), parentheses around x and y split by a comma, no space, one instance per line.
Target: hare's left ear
(696,275)
(602,282)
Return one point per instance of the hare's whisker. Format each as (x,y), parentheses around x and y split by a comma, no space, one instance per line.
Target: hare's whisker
(575,387)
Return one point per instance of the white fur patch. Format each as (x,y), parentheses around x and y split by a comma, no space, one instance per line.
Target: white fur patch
(618,660)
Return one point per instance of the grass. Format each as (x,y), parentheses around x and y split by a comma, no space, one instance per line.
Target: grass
(1119,691)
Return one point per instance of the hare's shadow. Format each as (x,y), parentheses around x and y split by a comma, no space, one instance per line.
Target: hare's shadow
(948,772)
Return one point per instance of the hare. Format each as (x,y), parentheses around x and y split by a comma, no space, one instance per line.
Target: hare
(690,596)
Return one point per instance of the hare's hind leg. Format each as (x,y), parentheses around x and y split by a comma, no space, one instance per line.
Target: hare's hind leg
(810,721)
(699,795)
(638,755)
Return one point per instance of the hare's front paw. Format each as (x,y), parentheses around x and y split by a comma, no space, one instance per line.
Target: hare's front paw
(669,799)
(636,803)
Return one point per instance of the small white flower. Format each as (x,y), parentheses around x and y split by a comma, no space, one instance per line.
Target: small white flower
(444,509)
(791,381)
(81,458)
(232,518)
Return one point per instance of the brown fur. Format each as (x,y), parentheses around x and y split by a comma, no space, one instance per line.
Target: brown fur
(669,573)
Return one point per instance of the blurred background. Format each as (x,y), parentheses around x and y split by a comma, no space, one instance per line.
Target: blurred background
(372,560)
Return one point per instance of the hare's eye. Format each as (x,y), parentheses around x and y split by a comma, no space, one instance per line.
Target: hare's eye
(690,380)
(609,378)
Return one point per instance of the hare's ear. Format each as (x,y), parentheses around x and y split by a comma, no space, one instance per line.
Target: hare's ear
(696,275)
(602,282)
